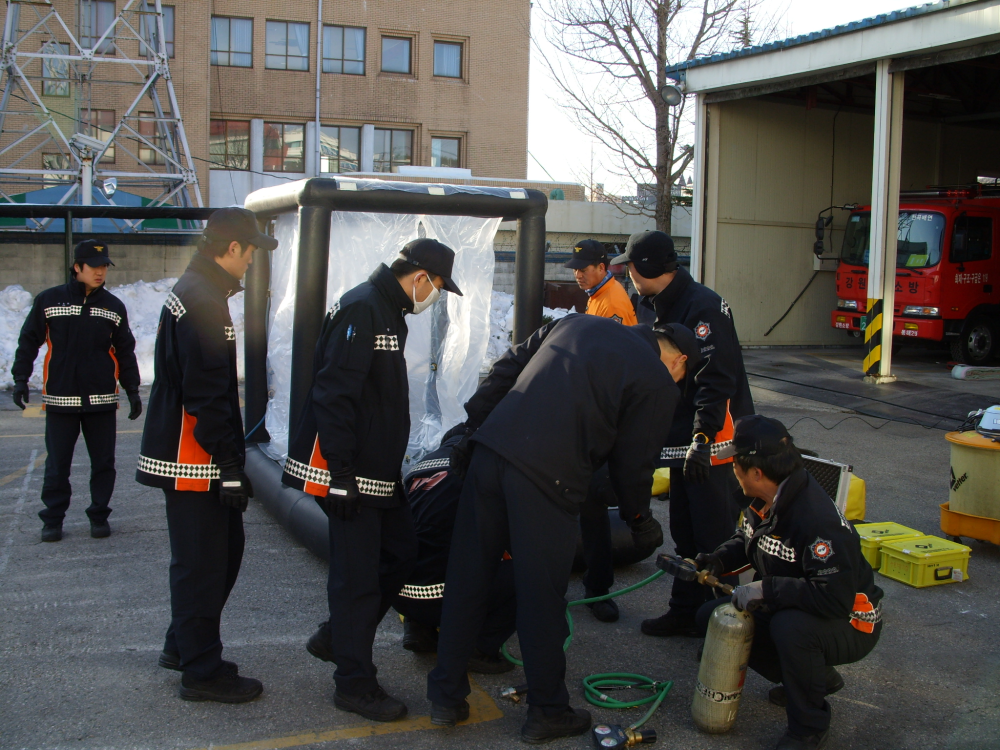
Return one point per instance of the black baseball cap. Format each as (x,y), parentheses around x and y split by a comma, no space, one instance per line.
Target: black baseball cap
(684,339)
(92,252)
(651,252)
(434,257)
(240,224)
(756,435)
(587,253)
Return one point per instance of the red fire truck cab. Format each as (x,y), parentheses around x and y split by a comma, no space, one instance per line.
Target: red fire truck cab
(947,275)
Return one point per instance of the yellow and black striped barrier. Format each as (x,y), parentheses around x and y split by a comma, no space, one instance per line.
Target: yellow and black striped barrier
(873,336)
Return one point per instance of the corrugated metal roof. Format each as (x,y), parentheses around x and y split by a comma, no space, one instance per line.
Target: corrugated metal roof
(865,23)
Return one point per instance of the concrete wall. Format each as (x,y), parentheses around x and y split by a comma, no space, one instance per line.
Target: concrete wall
(772,168)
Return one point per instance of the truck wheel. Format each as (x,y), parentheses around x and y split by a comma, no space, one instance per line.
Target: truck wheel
(977,344)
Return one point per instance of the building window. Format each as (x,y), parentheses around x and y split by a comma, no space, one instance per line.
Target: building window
(396,54)
(339,149)
(446,152)
(55,73)
(96,17)
(100,124)
(283,147)
(148,129)
(344,50)
(229,144)
(232,42)
(393,148)
(287,46)
(57,162)
(448,59)
(148,28)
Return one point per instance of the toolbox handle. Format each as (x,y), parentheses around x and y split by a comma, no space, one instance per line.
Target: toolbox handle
(943,574)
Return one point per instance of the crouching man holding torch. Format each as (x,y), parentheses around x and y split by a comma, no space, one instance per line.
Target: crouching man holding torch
(815,602)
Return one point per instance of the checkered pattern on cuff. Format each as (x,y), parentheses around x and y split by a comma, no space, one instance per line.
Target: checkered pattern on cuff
(108,398)
(681,451)
(306,473)
(435,591)
(177,471)
(62,400)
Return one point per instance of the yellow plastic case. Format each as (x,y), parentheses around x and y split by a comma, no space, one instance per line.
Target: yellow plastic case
(874,534)
(925,561)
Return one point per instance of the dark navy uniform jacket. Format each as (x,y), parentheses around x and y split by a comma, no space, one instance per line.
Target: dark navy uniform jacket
(193,417)
(91,349)
(807,554)
(579,392)
(356,419)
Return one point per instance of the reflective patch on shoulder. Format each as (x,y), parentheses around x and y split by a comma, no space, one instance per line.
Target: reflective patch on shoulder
(175,306)
(333,310)
(230,333)
(725,309)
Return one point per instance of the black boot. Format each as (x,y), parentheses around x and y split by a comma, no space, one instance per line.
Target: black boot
(52,533)
(377,705)
(795,742)
(225,686)
(481,663)
(100,529)
(419,638)
(606,611)
(449,716)
(672,623)
(320,643)
(540,728)
(834,682)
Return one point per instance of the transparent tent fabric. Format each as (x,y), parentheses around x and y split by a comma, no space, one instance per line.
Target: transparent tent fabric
(453,334)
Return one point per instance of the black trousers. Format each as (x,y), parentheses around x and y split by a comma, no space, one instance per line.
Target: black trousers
(206,551)
(702,516)
(501,509)
(61,432)
(500,622)
(795,648)
(371,557)
(595,532)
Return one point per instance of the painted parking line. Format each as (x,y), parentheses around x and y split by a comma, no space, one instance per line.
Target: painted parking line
(32,465)
(482,708)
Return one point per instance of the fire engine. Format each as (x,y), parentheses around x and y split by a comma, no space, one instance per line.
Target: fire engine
(947,275)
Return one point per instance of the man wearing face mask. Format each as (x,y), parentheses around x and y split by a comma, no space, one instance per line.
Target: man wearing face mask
(346,449)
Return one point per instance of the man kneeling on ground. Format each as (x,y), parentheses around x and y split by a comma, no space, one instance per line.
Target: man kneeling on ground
(816,598)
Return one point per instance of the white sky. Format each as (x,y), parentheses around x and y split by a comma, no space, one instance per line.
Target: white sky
(554,140)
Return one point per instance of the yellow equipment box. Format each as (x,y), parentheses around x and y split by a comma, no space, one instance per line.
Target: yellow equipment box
(661,482)
(855,510)
(925,561)
(874,534)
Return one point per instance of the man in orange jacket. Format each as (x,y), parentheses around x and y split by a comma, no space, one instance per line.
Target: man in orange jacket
(607,298)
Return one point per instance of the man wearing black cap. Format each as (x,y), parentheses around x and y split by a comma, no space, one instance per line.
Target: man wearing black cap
(579,392)
(346,448)
(702,510)
(821,606)
(90,351)
(605,296)
(192,448)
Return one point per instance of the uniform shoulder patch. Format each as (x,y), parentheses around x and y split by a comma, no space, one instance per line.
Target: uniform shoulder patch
(821,549)
(616,318)
(725,309)
(702,330)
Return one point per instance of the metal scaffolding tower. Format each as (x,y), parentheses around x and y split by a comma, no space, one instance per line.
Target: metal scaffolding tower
(49,108)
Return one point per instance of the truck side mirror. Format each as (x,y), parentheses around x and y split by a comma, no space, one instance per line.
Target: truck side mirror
(818,248)
(821,224)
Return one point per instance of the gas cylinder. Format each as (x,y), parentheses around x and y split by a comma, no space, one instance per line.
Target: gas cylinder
(723,669)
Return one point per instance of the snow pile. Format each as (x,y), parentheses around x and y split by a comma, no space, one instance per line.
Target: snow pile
(502,325)
(143,300)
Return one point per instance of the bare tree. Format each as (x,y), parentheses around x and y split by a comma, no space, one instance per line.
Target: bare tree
(609,60)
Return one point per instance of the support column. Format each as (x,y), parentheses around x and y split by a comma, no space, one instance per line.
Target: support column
(311,152)
(258,291)
(529,276)
(256,154)
(310,301)
(889,88)
(698,187)
(367,149)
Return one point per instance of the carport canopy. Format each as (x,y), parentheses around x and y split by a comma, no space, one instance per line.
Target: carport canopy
(770,153)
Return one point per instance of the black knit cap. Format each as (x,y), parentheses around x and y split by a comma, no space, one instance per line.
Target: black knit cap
(651,252)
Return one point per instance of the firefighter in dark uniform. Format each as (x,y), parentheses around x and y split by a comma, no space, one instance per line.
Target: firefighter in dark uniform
(821,606)
(90,351)
(346,449)
(193,449)
(703,511)
(433,490)
(579,392)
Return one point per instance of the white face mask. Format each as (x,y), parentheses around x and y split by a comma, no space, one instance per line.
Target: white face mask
(419,307)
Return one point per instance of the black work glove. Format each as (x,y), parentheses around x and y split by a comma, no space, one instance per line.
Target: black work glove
(711,562)
(135,403)
(234,485)
(20,394)
(698,462)
(344,499)
(646,532)
(461,455)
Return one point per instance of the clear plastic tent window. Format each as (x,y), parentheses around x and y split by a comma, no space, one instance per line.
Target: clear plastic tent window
(446,344)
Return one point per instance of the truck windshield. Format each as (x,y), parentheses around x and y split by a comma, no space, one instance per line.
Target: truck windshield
(918,239)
